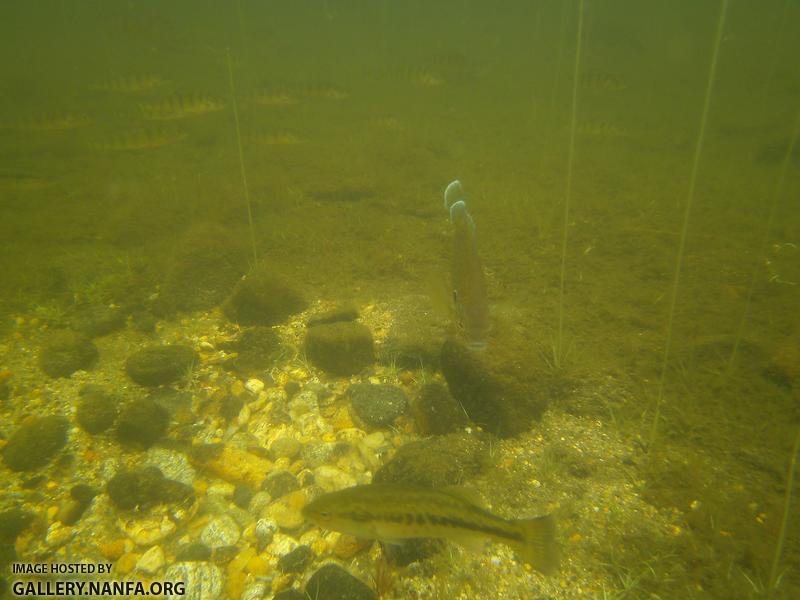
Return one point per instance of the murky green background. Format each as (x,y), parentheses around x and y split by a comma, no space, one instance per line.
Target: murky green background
(399,98)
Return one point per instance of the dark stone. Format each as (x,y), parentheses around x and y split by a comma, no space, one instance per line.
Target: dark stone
(144,488)
(230,407)
(194,552)
(72,512)
(335,315)
(242,494)
(83,493)
(207,264)
(263,298)
(340,348)
(492,388)
(436,412)
(97,410)
(377,405)
(435,462)
(159,365)
(142,423)
(332,582)
(280,483)
(65,352)
(297,560)
(34,444)
(96,320)
(13,522)
(414,340)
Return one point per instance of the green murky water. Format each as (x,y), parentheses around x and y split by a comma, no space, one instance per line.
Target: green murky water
(639,258)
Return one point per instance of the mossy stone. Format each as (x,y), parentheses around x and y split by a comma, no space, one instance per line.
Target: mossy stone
(492,388)
(342,348)
(65,352)
(207,263)
(35,443)
(263,298)
(332,581)
(377,405)
(436,412)
(437,461)
(142,423)
(160,365)
(144,488)
(96,411)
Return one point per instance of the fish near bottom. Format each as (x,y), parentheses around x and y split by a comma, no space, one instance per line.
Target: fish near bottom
(391,513)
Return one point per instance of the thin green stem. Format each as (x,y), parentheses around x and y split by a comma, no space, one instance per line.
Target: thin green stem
(241,157)
(686,213)
(568,193)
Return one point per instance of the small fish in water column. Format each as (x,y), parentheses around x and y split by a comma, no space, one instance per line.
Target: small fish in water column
(469,282)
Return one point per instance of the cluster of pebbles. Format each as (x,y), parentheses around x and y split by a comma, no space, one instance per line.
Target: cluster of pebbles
(190,456)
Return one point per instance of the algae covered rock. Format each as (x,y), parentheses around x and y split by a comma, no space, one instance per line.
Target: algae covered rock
(435,462)
(142,423)
(436,412)
(144,488)
(160,364)
(332,582)
(342,348)
(263,298)
(377,405)
(96,320)
(35,443)
(65,352)
(493,387)
(97,410)
(208,262)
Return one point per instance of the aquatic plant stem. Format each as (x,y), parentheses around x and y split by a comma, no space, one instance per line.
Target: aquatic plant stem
(686,213)
(787,503)
(559,349)
(241,157)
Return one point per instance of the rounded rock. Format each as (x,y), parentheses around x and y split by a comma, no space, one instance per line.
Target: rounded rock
(66,352)
(160,365)
(34,444)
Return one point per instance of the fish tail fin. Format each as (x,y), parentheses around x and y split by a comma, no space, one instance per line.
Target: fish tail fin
(539,547)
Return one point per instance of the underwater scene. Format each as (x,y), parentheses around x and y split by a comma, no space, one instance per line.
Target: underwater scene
(432,299)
